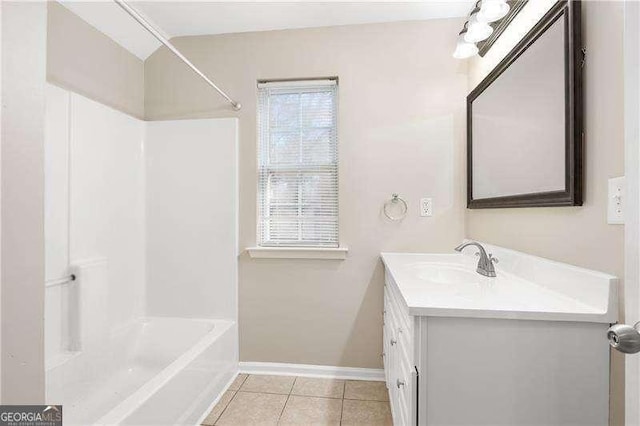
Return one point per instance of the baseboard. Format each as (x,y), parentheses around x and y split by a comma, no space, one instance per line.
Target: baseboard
(305,370)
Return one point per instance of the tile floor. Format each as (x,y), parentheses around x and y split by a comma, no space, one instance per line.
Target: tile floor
(286,400)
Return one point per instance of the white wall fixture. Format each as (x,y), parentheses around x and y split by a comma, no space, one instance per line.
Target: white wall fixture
(426,207)
(464,49)
(477,30)
(493,10)
(477,27)
(617,201)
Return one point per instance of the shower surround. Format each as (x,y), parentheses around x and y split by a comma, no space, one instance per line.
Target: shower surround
(144,215)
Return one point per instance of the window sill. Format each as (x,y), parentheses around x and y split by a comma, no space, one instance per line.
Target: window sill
(329,253)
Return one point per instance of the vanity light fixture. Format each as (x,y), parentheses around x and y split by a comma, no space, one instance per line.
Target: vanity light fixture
(464,49)
(477,30)
(493,10)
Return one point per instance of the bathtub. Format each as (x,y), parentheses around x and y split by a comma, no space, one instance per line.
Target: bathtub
(155,371)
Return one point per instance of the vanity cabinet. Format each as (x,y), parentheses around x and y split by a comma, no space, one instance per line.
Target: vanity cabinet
(450,362)
(399,358)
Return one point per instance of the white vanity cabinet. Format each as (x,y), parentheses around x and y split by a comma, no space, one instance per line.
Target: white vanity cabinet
(466,350)
(399,358)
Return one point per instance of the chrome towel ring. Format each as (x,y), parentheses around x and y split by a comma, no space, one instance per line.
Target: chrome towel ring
(395,203)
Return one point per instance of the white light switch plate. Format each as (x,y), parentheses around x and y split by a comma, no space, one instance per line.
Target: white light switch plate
(426,207)
(617,201)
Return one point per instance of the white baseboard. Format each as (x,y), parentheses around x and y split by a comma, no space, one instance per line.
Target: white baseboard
(305,370)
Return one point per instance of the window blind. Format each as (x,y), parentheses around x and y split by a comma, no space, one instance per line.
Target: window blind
(298,163)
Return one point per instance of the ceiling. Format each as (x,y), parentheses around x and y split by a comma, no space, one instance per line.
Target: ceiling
(181,18)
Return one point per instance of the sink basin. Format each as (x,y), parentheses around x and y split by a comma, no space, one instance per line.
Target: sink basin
(442,273)
(526,287)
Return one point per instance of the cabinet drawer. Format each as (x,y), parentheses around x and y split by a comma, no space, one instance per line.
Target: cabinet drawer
(396,303)
(398,330)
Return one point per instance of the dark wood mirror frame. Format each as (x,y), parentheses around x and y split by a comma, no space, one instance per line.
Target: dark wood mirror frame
(569,11)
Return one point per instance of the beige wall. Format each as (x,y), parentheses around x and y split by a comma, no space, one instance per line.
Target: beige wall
(24,32)
(577,235)
(84,60)
(401,122)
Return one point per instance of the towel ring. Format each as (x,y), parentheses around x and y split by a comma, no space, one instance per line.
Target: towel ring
(395,200)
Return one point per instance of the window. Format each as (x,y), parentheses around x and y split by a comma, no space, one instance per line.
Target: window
(298,164)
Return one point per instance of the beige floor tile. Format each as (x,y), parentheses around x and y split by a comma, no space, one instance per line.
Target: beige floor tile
(305,410)
(219,408)
(238,382)
(328,388)
(366,391)
(369,413)
(268,384)
(248,408)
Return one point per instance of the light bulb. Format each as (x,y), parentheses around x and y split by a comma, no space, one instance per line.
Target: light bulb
(476,30)
(493,10)
(464,49)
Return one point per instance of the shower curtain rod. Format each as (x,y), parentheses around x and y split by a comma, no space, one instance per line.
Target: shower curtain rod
(135,15)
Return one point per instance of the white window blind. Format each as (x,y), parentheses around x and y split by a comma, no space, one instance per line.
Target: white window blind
(298,163)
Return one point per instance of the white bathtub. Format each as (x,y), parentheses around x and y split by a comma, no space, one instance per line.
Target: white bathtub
(156,371)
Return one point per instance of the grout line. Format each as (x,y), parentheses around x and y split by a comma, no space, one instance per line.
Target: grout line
(241,384)
(225,407)
(311,396)
(287,401)
(262,392)
(246,377)
(367,400)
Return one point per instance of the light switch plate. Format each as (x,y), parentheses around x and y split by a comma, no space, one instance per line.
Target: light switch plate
(617,201)
(426,207)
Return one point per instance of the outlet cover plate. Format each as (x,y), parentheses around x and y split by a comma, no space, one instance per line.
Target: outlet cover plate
(426,207)
(617,201)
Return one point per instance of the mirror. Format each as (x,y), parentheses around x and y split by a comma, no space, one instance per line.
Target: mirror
(524,120)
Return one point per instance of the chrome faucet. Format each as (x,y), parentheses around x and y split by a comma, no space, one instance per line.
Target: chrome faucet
(485,264)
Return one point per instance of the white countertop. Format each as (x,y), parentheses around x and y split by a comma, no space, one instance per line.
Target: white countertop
(526,287)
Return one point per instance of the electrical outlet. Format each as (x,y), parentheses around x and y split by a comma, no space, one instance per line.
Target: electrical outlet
(617,201)
(426,207)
